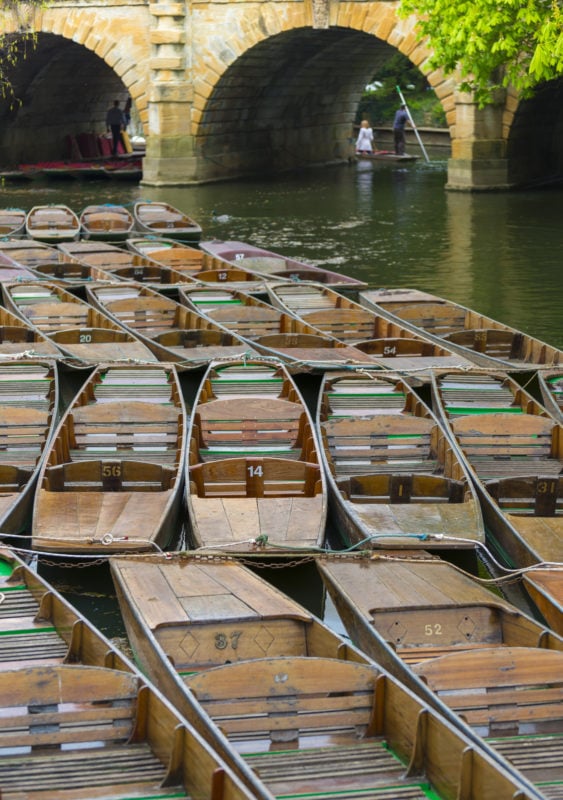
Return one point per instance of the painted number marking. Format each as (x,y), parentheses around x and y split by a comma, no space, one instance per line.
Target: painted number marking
(433,630)
(223,640)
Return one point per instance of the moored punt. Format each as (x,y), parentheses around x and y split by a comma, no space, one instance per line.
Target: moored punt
(200,266)
(279,267)
(79,330)
(390,344)
(272,332)
(78,719)
(12,222)
(29,401)
(50,263)
(551,388)
(107,222)
(485,341)
(163,219)
(124,265)
(486,666)
(514,452)
(254,479)
(277,692)
(394,478)
(112,478)
(17,337)
(170,330)
(53,224)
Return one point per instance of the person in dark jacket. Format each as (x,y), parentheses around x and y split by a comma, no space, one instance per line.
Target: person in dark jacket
(401,119)
(115,122)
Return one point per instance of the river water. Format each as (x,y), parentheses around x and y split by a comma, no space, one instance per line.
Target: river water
(391,225)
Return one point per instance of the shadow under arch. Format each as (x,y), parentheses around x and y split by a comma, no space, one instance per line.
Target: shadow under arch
(288,102)
(61,88)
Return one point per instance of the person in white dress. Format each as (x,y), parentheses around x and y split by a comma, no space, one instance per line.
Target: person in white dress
(364,142)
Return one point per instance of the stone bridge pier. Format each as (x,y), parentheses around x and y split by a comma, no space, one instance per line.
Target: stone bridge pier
(224,88)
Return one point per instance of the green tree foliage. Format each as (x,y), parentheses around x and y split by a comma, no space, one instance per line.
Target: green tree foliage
(378,105)
(15,46)
(493,43)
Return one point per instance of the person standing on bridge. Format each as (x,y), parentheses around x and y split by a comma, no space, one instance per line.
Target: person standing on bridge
(364,142)
(115,122)
(401,119)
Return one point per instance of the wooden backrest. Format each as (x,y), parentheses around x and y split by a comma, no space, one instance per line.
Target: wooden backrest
(286,697)
(512,688)
(505,434)
(255,477)
(66,706)
(540,496)
(401,488)
(439,319)
(109,476)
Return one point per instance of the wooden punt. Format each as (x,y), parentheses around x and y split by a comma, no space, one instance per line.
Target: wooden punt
(278,693)
(513,449)
(52,224)
(389,343)
(29,403)
(271,331)
(551,388)
(79,720)
(171,331)
(485,341)
(107,222)
(394,478)
(123,265)
(18,339)
(44,261)
(486,666)
(112,478)
(12,222)
(163,219)
(279,267)
(254,479)
(198,265)
(74,326)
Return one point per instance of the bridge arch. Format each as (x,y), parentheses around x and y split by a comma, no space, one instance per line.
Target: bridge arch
(223,88)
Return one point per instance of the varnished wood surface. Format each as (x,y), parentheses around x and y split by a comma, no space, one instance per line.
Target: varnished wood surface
(254,472)
(496,669)
(485,341)
(86,723)
(394,478)
(333,314)
(113,476)
(29,404)
(545,587)
(304,710)
(75,327)
(52,223)
(171,331)
(278,267)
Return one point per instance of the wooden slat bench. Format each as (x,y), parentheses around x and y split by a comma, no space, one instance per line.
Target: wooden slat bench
(78,727)
(385,443)
(502,445)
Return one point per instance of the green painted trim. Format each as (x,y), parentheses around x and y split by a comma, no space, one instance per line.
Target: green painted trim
(25,631)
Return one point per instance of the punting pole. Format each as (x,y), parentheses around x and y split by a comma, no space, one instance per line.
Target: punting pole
(411,120)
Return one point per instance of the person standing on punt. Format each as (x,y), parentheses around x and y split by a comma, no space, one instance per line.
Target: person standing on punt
(401,119)
(115,122)
(364,142)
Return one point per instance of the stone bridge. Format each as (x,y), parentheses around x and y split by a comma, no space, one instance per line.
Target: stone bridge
(223,88)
